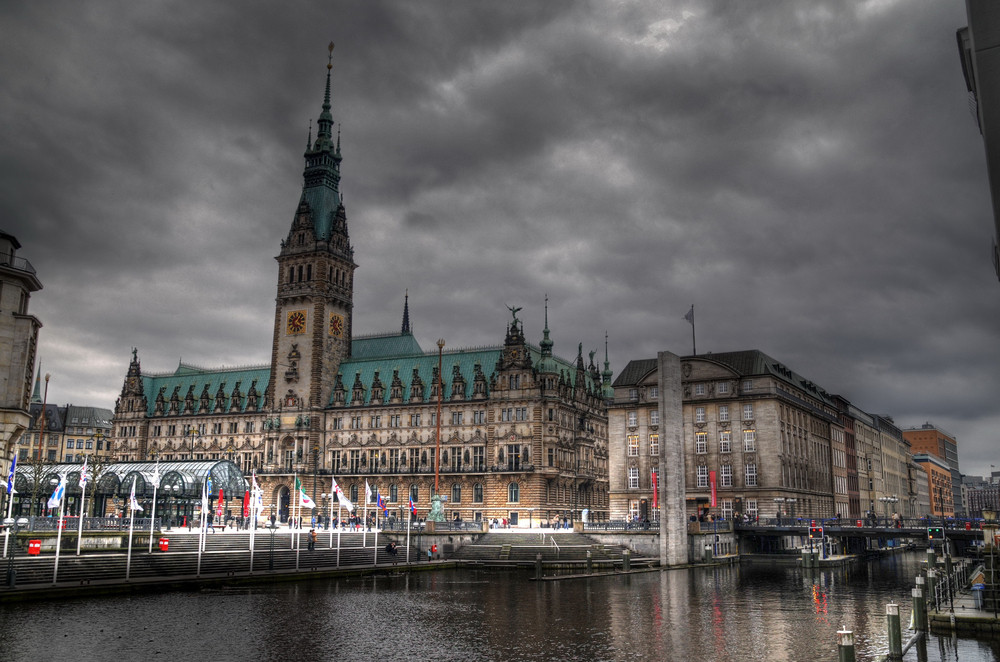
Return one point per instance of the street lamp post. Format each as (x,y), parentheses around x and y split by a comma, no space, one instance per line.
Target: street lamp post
(273,526)
(17,525)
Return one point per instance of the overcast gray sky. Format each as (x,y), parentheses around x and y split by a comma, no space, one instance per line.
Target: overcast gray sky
(807,174)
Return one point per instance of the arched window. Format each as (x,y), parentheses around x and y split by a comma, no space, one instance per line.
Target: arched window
(456,493)
(477,493)
(354,493)
(513,493)
(414,493)
(393,493)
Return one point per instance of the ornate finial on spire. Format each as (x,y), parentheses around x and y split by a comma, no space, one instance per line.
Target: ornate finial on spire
(406,313)
(309,138)
(546,344)
(606,375)
(338,139)
(329,59)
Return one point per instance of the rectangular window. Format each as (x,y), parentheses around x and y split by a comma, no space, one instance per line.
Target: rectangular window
(414,420)
(633,419)
(69,443)
(216,428)
(751,475)
(79,444)
(633,478)
(699,389)
(233,427)
(552,457)
(747,384)
(722,388)
(376,421)
(355,422)
(654,391)
(702,474)
(699,414)
(479,417)
(725,441)
(171,430)
(633,445)
(633,394)
(394,420)
(751,508)
(251,426)
(156,430)
(478,458)
(203,429)
(701,443)
(726,475)
(336,424)
(727,508)
(749,441)
(654,417)
(69,457)
(90,445)
(456,418)
(748,411)
(723,413)
(654,445)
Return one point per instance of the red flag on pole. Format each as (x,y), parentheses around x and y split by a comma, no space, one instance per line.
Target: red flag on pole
(246,504)
(218,507)
(711,482)
(656,488)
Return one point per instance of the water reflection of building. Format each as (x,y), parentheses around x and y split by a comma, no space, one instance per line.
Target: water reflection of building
(522,431)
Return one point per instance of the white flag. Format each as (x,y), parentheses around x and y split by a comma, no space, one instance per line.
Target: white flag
(344,501)
(304,500)
(368,492)
(83,474)
(132,503)
(57,495)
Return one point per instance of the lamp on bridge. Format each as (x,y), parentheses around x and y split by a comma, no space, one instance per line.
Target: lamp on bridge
(778,501)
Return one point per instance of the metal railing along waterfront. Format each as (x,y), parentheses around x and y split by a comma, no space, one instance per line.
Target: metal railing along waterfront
(71,524)
(622,525)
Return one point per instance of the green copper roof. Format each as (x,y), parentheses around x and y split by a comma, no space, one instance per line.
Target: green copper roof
(384,345)
(187,376)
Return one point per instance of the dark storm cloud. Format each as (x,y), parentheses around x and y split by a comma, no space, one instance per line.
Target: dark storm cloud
(807,174)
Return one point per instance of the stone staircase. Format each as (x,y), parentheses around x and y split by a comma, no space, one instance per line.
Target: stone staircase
(501,548)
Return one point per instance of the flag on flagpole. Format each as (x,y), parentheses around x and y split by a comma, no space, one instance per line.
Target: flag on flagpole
(304,500)
(132,503)
(10,476)
(83,474)
(381,504)
(258,494)
(57,495)
(368,493)
(413,507)
(218,505)
(656,487)
(344,501)
(689,316)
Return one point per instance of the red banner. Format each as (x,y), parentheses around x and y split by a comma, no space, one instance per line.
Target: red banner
(218,507)
(711,483)
(656,488)
(246,504)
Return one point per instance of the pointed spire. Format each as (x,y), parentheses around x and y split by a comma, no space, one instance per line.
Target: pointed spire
(546,344)
(36,396)
(607,374)
(325,123)
(309,137)
(406,314)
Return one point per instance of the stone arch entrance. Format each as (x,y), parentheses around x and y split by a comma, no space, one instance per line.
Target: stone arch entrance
(283,500)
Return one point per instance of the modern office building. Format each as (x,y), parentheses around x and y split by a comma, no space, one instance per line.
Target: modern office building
(932,440)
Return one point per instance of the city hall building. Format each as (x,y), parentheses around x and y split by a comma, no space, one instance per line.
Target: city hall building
(509,432)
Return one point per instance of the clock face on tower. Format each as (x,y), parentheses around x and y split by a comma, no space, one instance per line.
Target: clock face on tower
(336,325)
(295,322)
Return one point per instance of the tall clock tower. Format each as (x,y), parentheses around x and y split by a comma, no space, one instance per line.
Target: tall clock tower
(312,319)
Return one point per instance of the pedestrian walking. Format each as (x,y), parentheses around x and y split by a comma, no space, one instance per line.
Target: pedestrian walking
(312,539)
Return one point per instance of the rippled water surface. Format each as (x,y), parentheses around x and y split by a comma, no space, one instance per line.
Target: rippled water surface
(739,613)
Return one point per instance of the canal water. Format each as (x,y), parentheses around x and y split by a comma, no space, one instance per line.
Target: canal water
(751,613)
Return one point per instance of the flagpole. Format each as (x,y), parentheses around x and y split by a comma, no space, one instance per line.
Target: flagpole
(201,526)
(253,518)
(152,513)
(364,525)
(376,531)
(131,522)
(10,512)
(339,527)
(298,540)
(83,502)
(333,493)
(409,521)
(59,523)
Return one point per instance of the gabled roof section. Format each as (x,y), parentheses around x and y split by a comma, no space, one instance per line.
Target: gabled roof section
(187,376)
(755,362)
(384,345)
(635,372)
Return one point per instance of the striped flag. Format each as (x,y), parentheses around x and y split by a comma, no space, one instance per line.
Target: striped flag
(413,507)
(57,495)
(304,500)
(381,504)
(10,476)
(344,501)
(132,503)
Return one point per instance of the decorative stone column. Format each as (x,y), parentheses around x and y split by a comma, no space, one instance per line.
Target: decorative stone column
(673,524)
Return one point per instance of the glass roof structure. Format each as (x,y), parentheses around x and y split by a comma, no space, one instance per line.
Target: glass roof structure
(182,478)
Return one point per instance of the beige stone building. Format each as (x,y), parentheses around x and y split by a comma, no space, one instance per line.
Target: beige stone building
(18,345)
(510,431)
(766,440)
